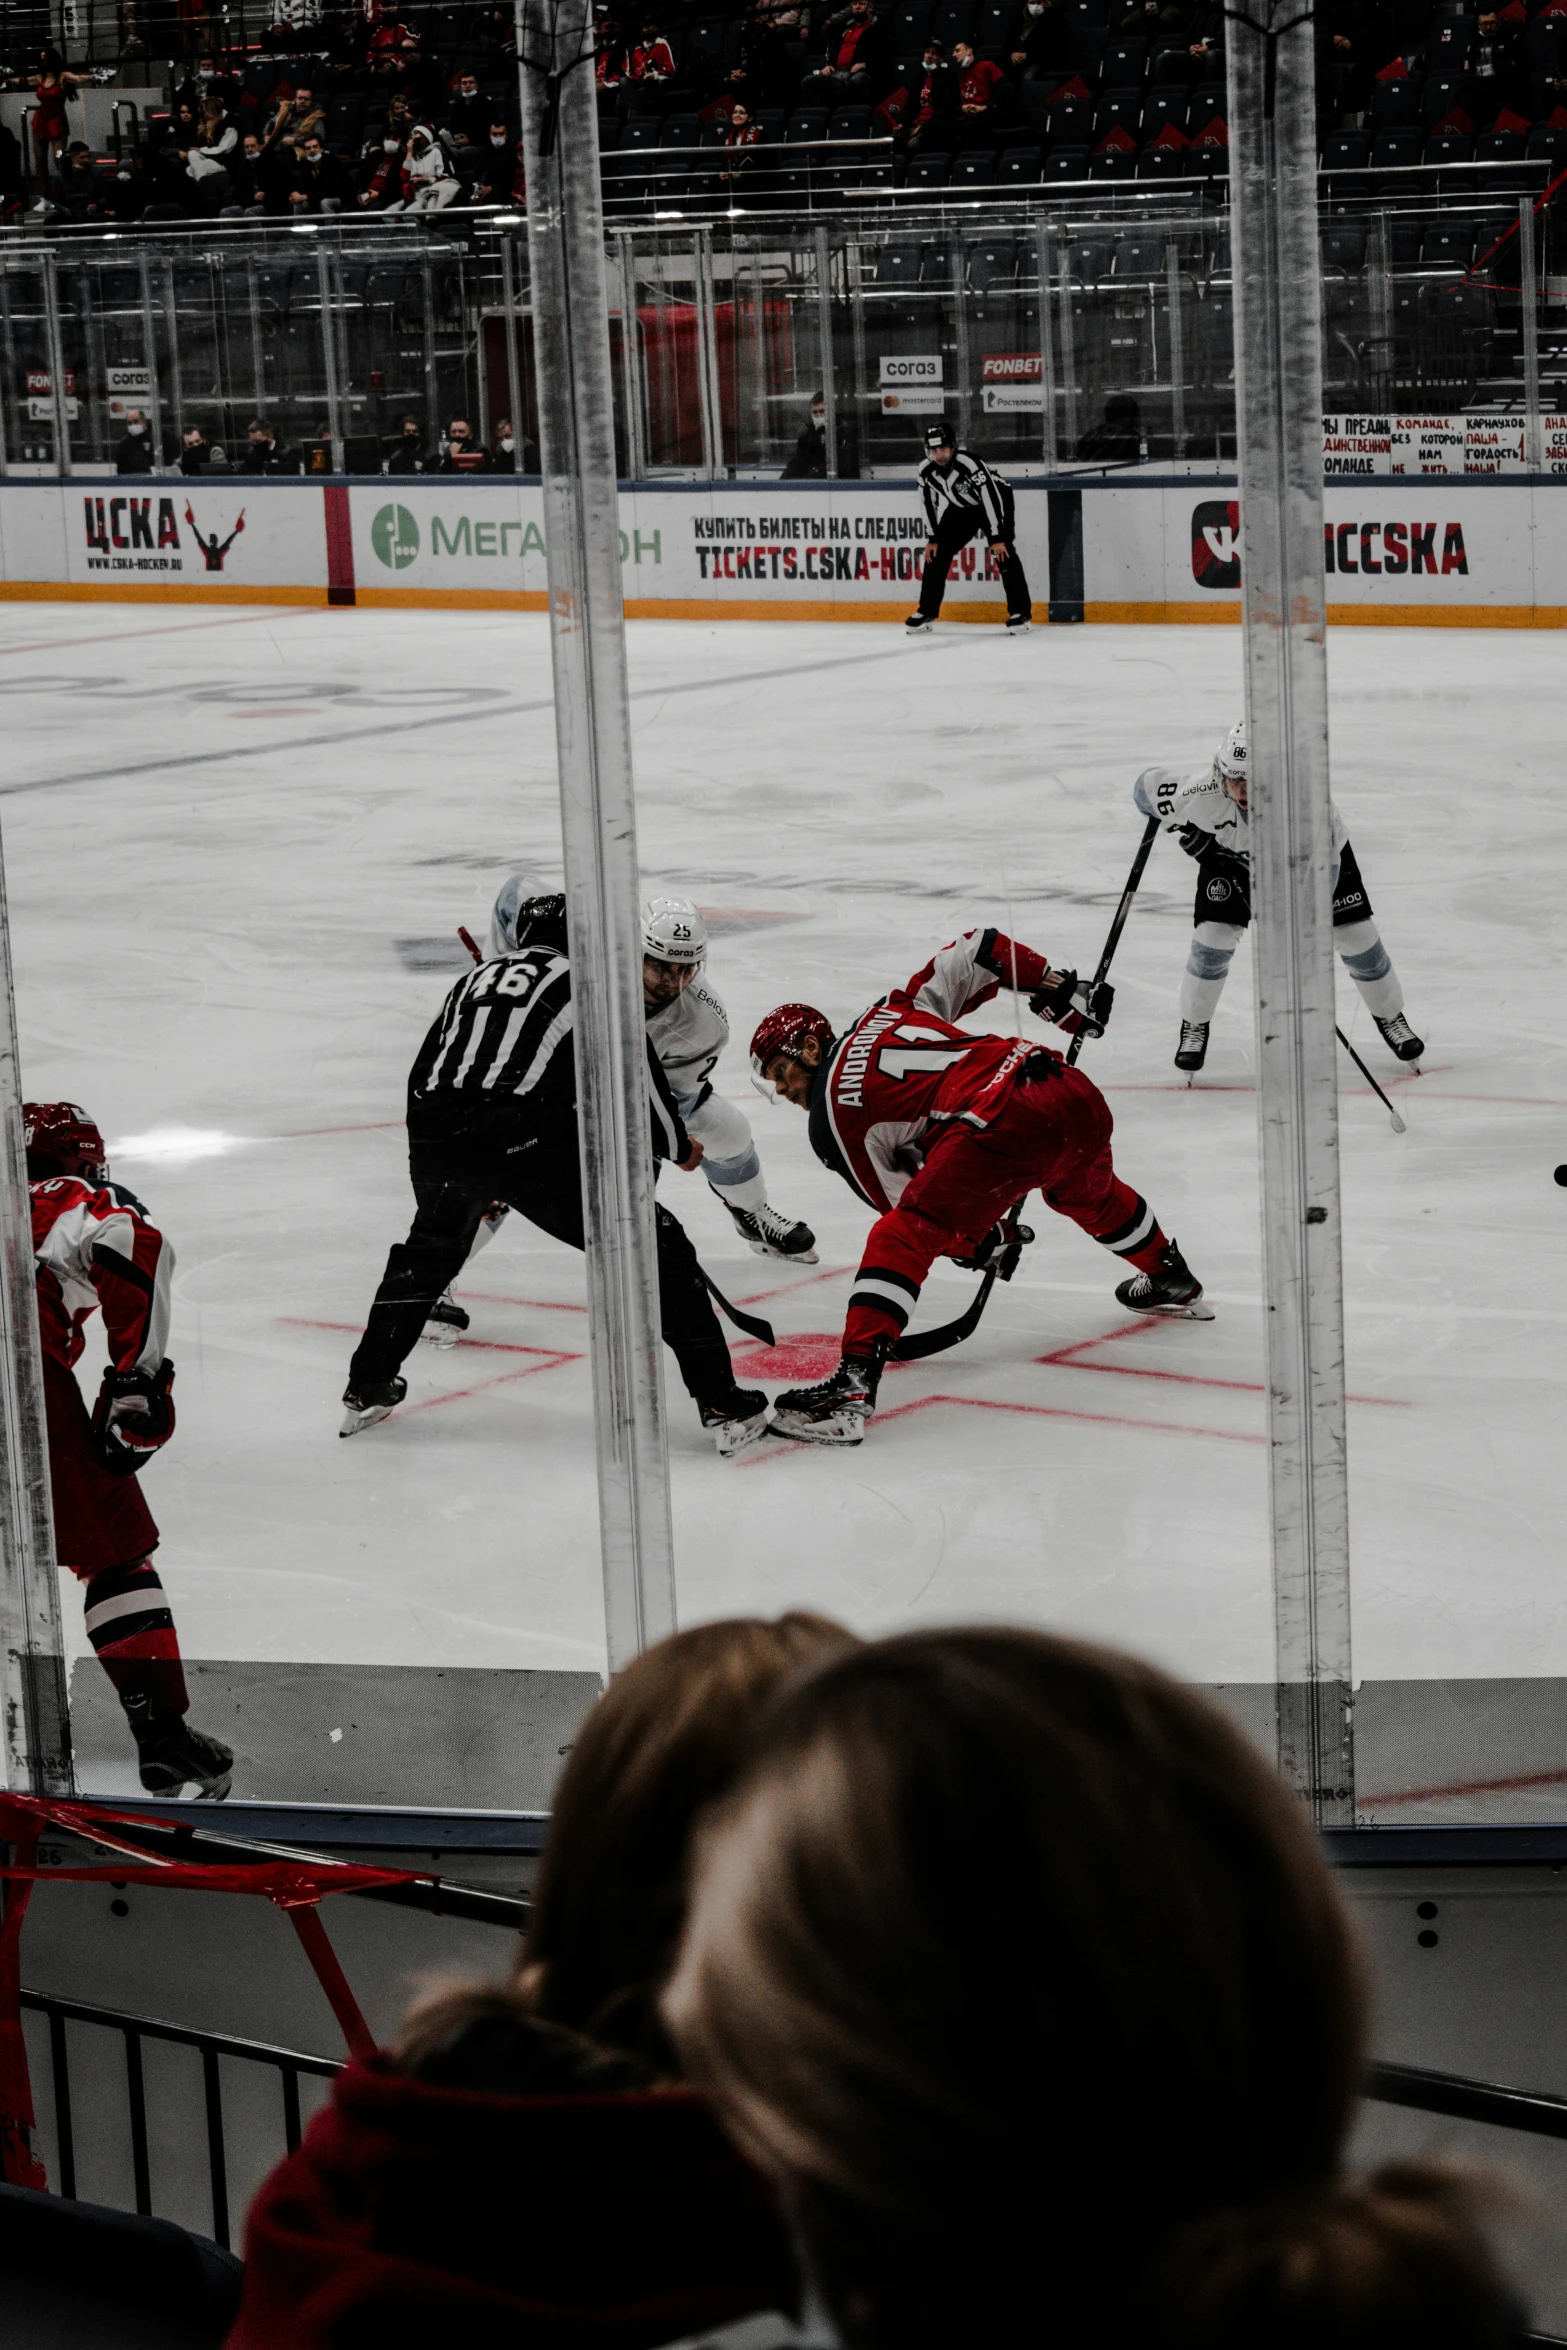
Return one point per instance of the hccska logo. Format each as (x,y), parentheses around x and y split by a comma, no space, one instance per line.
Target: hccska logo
(1216,552)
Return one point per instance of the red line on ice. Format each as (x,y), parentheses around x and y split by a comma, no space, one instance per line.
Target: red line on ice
(1468,1787)
(308,1133)
(430,1403)
(499,1346)
(123,635)
(1064,1357)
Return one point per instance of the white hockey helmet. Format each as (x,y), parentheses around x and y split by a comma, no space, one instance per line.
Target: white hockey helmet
(1230,758)
(674,932)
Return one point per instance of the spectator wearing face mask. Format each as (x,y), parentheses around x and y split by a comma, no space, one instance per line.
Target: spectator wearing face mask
(381,174)
(809,462)
(194,452)
(1044,47)
(315,176)
(495,168)
(250,175)
(979,80)
(463,454)
(406,454)
(652,60)
(935,99)
(509,455)
(263,453)
(429,183)
(467,117)
(134,454)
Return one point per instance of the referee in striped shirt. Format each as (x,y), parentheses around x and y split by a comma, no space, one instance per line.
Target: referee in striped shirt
(962,495)
(492,1115)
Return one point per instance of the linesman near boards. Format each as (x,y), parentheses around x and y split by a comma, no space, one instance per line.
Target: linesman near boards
(492,1116)
(962,497)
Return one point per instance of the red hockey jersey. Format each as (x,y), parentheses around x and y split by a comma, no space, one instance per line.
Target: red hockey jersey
(904,1068)
(93,1246)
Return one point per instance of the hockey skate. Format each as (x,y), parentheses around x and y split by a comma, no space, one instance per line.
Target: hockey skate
(446,1321)
(768,1234)
(170,1751)
(370,1404)
(918,625)
(1400,1038)
(1019,623)
(1173,1290)
(1192,1050)
(835,1412)
(736,1419)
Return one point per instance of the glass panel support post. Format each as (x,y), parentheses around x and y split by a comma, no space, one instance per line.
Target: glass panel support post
(1045,247)
(513,355)
(707,355)
(1529,304)
(631,357)
(824,335)
(7,343)
(1068,354)
(1172,281)
(56,346)
(1278,368)
(598,816)
(37,1753)
(149,339)
(171,343)
(1380,273)
(334,413)
(963,412)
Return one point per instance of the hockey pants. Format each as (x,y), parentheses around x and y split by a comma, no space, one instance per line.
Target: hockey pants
(454,1185)
(729,1159)
(1220,919)
(956,527)
(105,1533)
(1053,1136)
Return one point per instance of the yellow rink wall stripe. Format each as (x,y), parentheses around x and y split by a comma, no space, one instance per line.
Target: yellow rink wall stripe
(1172,614)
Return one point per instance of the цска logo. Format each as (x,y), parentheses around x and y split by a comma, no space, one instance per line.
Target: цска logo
(394,534)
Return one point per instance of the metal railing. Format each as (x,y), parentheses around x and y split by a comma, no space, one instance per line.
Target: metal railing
(287,2063)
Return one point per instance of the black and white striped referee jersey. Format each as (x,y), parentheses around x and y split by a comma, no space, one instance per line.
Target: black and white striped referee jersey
(968,484)
(501,1061)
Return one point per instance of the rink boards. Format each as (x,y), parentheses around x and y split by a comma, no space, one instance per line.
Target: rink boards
(1412,551)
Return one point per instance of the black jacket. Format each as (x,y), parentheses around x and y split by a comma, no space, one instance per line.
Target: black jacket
(134,454)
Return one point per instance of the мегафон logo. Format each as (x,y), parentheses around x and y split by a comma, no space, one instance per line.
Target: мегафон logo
(394,534)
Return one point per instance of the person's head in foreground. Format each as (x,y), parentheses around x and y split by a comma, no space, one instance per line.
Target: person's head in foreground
(665,1740)
(1021,1973)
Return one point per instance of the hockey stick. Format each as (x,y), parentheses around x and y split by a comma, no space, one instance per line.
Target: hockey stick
(751,1324)
(1398,1124)
(467,938)
(1139,862)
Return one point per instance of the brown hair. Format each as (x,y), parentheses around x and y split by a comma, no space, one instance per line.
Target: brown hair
(667,1737)
(1022,1972)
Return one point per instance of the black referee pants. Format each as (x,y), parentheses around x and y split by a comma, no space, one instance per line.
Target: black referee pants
(454,1183)
(953,532)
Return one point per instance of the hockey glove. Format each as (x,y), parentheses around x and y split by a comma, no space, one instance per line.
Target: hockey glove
(1001,1247)
(1194,840)
(1074,1004)
(133,1417)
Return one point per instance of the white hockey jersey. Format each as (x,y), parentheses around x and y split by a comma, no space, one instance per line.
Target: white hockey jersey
(1182,796)
(688,1036)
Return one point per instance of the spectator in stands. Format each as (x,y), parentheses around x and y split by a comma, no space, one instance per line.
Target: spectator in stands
(406,454)
(429,182)
(467,121)
(130,191)
(1117,439)
(295,115)
(509,455)
(207,157)
(610,70)
(525,2165)
(315,176)
(979,80)
(1025,1978)
(250,175)
(74,187)
(809,462)
(856,59)
(499,174)
(134,452)
(381,178)
(194,451)
(1044,47)
(263,451)
(936,107)
(52,89)
(461,452)
(651,59)
(1498,69)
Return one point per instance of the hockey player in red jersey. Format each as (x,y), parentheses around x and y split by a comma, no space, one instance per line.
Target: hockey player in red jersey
(944,1131)
(94,1246)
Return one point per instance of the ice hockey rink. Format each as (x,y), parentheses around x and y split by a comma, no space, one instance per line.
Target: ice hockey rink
(239,845)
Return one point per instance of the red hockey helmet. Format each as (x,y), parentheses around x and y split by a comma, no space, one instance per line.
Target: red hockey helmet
(62,1140)
(784,1030)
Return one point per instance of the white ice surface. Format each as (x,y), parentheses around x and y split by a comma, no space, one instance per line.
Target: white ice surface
(206,957)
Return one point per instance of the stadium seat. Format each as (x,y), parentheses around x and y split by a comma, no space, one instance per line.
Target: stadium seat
(936,260)
(952,20)
(1019,167)
(1346,151)
(1442,92)
(1064,164)
(1165,163)
(995,21)
(1087,15)
(1344,246)
(898,265)
(1070,124)
(929,171)
(849,122)
(1405,231)
(1395,103)
(1448,243)
(992,265)
(1120,109)
(772,122)
(1113,163)
(1448,44)
(1547,144)
(1091,258)
(806,123)
(1124,61)
(1395,150)
(1208,99)
(1140,258)
(1033,105)
(976,169)
(682,130)
(1211,162)
(1165,109)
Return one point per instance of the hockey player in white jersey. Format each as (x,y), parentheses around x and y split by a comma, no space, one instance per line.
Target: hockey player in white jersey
(1206,807)
(688,1028)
